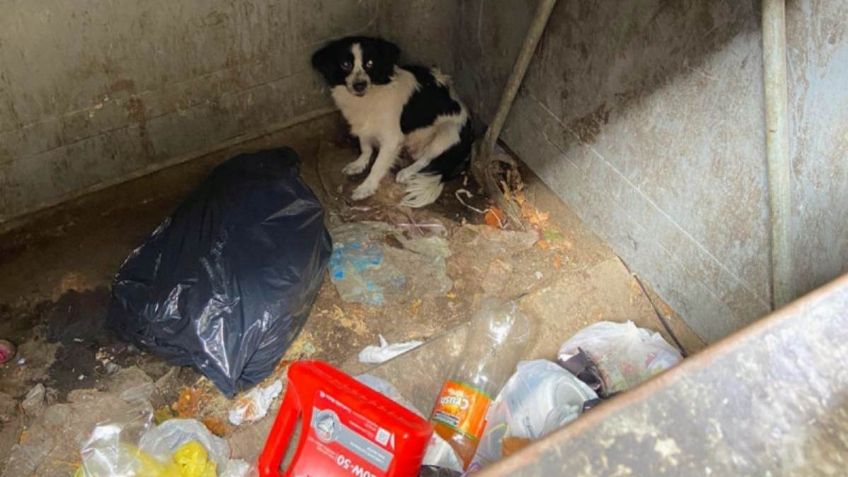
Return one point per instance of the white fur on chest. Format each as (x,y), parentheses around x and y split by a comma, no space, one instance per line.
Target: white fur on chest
(375,117)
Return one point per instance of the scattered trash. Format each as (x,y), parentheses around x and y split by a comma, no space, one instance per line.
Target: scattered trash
(496,340)
(624,354)
(162,414)
(22,361)
(80,377)
(103,356)
(177,448)
(216,425)
(8,350)
(226,282)
(254,405)
(538,399)
(538,275)
(189,402)
(439,453)
(372,261)
(460,193)
(33,403)
(380,354)
(495,217)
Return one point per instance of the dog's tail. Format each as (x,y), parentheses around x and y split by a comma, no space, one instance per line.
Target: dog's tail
(425,187)
(422,190)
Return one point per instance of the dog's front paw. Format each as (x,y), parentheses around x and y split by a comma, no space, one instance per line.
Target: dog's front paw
(365,190)
(354,168)
(404,175)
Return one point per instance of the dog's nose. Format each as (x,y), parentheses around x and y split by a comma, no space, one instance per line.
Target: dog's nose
(359,86)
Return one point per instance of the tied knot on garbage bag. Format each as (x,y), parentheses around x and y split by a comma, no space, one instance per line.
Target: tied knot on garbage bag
(226,282)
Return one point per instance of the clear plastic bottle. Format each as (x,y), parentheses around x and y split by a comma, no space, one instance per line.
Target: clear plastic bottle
(498,337)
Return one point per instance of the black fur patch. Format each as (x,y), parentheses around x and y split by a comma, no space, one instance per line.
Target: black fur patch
(455,159)
(384,57)
(428,102)
(329,59)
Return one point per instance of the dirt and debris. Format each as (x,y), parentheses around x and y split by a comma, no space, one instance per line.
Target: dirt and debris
(415,275)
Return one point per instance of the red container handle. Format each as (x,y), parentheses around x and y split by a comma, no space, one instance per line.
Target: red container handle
(280,436)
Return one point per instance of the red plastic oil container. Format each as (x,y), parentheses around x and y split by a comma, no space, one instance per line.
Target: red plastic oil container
(347,429)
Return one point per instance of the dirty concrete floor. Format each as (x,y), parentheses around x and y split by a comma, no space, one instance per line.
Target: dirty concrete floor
(56,270)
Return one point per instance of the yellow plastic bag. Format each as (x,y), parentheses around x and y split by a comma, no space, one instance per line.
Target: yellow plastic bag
(189,460)
(193,461)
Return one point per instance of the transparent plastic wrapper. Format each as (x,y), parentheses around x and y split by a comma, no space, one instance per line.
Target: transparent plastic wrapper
(176,448)
(624,354)
(161,441)
(538,399)
(440,455)
(108,450)
(227,281)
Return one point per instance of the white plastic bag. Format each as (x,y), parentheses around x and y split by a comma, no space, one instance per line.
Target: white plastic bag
(538,399)
(111,450)
(625,355)
(105,452)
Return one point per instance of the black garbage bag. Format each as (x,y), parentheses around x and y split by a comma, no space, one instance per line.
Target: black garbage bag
(227,281)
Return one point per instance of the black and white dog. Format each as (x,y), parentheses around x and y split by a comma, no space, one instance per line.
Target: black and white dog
(391,107)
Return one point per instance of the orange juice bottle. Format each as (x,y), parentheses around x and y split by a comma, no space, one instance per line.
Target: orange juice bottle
(497,339)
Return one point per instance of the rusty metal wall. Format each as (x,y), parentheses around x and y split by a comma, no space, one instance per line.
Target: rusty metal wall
(646,117)
(93,92)
(426,31)
(817,33)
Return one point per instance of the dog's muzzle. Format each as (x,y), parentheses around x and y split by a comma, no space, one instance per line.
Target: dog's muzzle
(359,86)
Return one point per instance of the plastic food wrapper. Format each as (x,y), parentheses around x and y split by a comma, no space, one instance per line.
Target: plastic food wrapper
(254,405)
(176,448)
(624,354)
(226,282)
(439,455)
(385,351)
(538,399)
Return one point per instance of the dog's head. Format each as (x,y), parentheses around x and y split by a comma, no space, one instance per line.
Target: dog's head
(357,63)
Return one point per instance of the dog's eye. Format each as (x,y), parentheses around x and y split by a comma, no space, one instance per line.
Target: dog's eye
(346,65)
(369,64)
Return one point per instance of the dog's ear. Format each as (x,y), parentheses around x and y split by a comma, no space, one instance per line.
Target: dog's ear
(388,50)
(324,60)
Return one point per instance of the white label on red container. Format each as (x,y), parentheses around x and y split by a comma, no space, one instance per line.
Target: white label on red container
(342,442)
